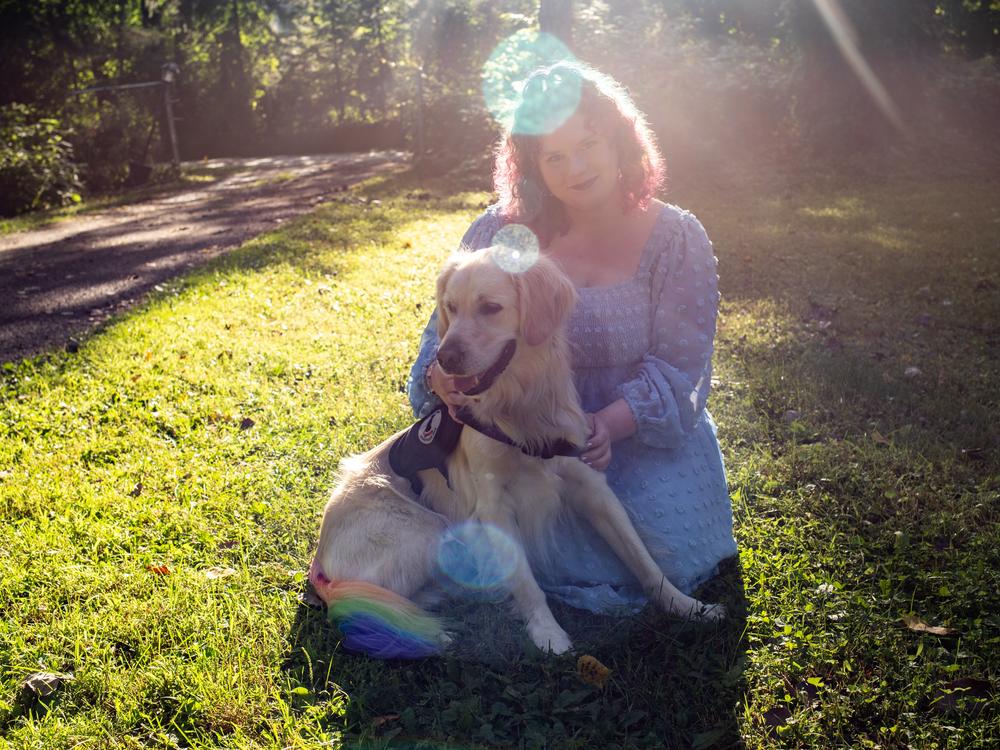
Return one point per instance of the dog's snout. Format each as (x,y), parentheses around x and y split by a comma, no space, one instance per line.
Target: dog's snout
(451,357)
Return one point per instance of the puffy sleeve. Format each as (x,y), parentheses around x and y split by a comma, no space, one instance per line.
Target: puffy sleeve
(478,236)
(668,391)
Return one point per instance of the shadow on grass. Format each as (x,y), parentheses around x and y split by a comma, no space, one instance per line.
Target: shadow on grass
(672,684)
(881,296)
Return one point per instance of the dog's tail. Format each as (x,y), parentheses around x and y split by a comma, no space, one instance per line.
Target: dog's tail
(376,621)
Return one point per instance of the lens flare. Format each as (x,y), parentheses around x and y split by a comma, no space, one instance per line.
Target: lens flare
(516,248)
(545,107)
(477,556)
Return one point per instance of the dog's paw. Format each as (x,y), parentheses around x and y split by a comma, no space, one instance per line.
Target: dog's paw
(311,599)
(550,637)
(693,609)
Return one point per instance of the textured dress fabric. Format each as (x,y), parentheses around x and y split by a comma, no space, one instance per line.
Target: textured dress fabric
(647,340)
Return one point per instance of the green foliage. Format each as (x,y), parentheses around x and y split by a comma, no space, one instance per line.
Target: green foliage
(36,162)
(718,77)
(108,136)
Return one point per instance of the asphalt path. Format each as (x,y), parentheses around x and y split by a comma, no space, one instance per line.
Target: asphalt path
(60,281)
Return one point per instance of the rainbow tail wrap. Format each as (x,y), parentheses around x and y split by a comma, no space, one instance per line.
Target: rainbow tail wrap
(376,621)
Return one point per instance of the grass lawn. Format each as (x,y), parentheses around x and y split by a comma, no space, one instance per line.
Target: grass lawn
(160,493)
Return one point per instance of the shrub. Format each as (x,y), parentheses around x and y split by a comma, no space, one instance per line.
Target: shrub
(36,162)
(108,134)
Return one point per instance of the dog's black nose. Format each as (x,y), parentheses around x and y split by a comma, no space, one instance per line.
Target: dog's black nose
(451,357)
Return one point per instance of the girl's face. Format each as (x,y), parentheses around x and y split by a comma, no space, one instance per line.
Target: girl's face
(578,165)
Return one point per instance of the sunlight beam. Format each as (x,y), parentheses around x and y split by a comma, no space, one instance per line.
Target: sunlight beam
(845,37)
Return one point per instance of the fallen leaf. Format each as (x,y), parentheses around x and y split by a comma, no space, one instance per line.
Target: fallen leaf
(213,573)
(912,372)
(43,684)
(879,438)
(591,671)
(916,624)
(776,718)
(380,720)
(247,423)
(160,570)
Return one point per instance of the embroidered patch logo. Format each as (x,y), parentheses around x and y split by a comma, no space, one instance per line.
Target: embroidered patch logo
(429,428)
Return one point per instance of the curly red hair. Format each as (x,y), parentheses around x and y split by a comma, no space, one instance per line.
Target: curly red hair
(608,109)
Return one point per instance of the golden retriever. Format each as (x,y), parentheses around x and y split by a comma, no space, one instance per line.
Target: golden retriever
(379,535)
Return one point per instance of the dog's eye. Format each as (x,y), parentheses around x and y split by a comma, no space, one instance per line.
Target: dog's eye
(489,308)
(452,308)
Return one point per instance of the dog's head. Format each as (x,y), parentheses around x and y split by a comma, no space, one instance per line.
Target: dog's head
(482,307)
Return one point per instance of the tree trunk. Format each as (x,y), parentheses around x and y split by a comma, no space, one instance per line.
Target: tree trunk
(237,115)
(556,17)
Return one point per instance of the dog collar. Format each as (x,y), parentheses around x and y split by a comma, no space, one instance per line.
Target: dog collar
(560,447)
(489,376)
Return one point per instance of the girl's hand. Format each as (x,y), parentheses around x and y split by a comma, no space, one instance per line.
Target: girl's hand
(444,387)
(598,452)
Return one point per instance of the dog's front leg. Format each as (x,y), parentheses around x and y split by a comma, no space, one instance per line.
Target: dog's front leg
(528,596)
(587,491)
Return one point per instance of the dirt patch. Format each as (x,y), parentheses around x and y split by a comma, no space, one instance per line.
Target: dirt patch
(58,282)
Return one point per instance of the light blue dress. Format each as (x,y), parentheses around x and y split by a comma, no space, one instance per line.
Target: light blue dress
(647,340)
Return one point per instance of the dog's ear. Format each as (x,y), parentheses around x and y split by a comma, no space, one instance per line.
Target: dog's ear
(442,284)
(545,297)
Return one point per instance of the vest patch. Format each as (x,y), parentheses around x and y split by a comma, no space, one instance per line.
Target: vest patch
(429,427)
(426,445)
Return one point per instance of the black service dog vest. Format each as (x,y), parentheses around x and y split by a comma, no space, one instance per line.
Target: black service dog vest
(426,445)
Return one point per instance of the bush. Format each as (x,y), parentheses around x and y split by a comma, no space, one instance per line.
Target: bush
(108,134)
(36,162)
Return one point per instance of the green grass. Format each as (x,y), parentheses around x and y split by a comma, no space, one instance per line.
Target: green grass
(160,493)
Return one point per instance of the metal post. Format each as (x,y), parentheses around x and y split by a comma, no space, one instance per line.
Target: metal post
(420,115)
(168,74)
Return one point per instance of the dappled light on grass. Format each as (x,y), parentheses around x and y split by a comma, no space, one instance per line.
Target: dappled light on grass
(842,208)
(305,336)
(848,393)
